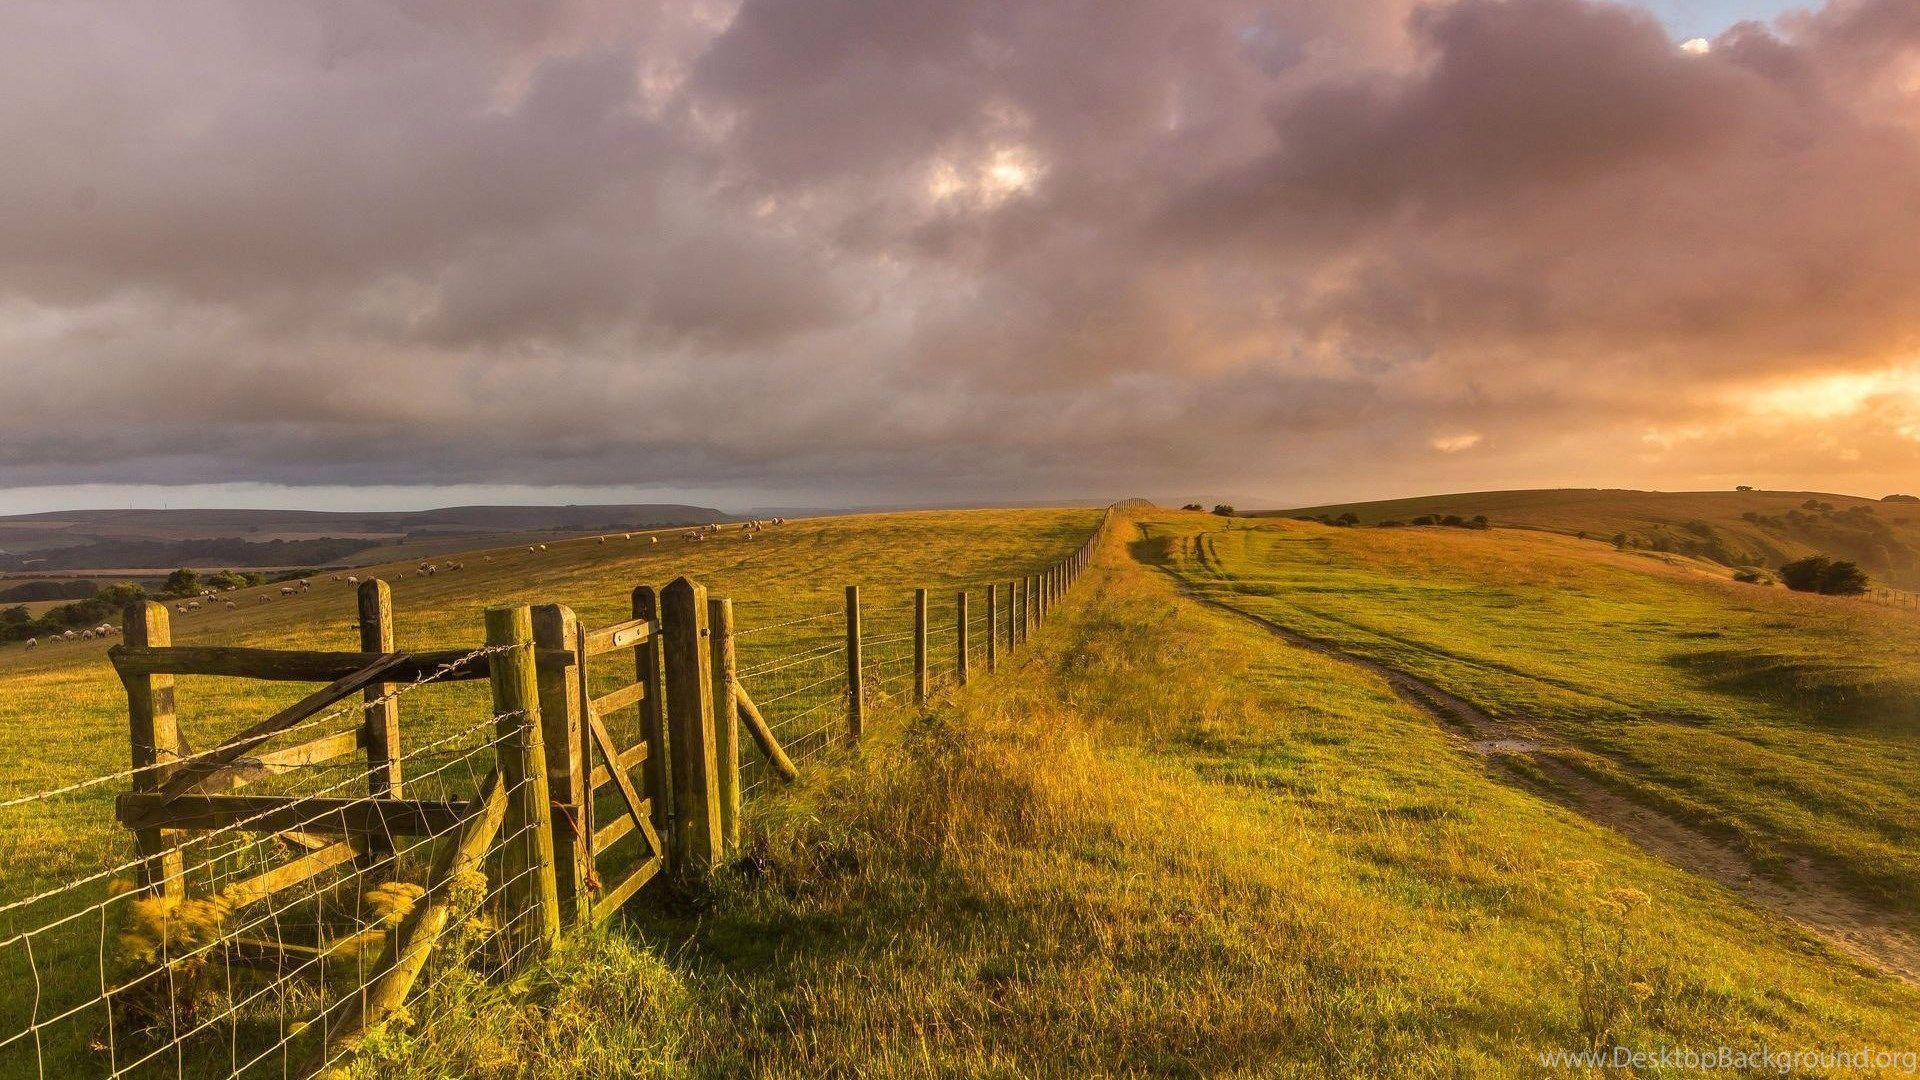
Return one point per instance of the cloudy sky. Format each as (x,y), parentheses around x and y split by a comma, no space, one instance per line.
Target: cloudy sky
(880,251)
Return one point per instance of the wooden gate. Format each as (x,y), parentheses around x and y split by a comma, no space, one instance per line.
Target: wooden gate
(587,852)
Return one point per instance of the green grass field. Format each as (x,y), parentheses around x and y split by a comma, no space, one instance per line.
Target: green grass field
(63,711)
(1708,523)
(1168,844)
(1166,840)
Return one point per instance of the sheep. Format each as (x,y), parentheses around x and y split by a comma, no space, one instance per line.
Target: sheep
(653,539)
(543,547)
(231,604)
(68,636)
(626,536)
(33,643)
(354,580)
(288,590)
(599,539)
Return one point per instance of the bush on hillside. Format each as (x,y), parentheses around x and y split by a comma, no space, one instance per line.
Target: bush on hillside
(1223,509)
(1752,575)
(1820,574)
(1901,498)
(1193,506)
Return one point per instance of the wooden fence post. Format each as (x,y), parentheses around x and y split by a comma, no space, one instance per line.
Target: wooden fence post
(155,735)
(960,636)
(726,719)
(993,627)
(919,646)
(649,669)
(382,712)
(697,841)
(526,865)
(562,716)
(856,690)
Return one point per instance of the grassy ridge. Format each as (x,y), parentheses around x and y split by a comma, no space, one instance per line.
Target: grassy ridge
(1708,523)
(1784,721)
(1168,844)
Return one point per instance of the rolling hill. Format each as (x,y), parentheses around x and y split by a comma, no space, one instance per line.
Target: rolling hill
(1734,528)
(124,539)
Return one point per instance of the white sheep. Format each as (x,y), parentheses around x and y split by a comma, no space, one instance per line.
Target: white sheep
(33,643)
(655,540)
(543,547)
(353,580)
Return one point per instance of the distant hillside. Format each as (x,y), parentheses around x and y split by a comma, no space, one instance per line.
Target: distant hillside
(1736,528)
(111,539)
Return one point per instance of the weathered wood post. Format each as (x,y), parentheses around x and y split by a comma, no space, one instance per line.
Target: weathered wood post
(155,744)
(526,866)
(726,718)
(649,669)
(960,636)
(856,690)
(562,730)
(382,725)
(1036,585)
(993,627)
(697,840)
(919,646)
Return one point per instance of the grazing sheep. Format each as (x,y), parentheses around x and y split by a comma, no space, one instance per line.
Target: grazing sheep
(543,547)
(655,540)
(353,581)
(599,539)
(231,604)
(33,643)
(288,590)
(68,636)
(626,536)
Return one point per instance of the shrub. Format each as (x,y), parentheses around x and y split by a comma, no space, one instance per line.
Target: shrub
(1388,524)
(181,582)
(1223,509)
(1453,520)
(1426,519)
(1348,519)
(1750,576)
(1902,498)
(1479,521)
(1820,574)
(1620,541)
(1743,487)
(1193,506)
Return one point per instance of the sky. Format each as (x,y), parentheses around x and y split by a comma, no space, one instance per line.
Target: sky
(369,253)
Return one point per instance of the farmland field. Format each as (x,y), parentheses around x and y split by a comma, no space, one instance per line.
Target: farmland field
(1186,833)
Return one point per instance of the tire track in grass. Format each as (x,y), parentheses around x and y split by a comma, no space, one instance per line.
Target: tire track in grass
(1809,898)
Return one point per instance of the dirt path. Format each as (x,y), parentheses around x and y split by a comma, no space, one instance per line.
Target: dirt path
(1809,899)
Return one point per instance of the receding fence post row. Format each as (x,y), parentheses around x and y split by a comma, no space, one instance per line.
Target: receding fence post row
(993,627)
(155,744)
(527,877)
(726,718)
(960,636)
(556,628)
(650,670)
(856,691)
(919,646)
(697,842)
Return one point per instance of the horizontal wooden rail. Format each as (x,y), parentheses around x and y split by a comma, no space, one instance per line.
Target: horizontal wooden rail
(618,636)
(279,813)
(620,699)
(611,901)
(282,665)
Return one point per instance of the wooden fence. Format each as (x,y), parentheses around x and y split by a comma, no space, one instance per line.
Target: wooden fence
(552,860)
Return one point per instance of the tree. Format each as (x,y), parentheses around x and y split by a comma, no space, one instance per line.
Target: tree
(1479,521)
(1620,541)
(182,581)
(1193,506)
(1744,487)
(1820,574)
(1348,519)
(1223,509)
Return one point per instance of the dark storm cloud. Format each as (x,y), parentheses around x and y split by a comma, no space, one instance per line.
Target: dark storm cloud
(901,249)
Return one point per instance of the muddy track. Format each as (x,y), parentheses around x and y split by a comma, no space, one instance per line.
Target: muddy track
(1809,898)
